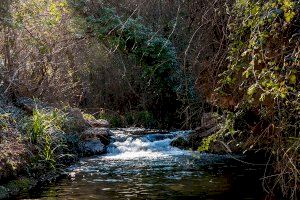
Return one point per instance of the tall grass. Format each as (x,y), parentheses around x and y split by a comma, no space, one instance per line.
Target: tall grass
(45,133)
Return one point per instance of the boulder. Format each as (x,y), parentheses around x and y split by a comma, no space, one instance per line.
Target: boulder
(100,123)
(195,138)
(101,134)
(28,104)
(14,156)
(92,147)
(180,143)
(94,140)
(75,120)
(210,124)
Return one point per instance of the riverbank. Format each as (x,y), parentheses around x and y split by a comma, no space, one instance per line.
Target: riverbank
(37,142)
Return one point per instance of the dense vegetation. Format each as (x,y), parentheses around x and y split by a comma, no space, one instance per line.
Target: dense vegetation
(159,64)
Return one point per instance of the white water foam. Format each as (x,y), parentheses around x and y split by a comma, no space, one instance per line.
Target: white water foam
(152,146)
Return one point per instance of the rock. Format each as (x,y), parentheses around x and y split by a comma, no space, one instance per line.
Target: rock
(180,143)
(102,134)
(92,147)
(75,121)
(100,123)
(94,140)
(28,104)
(195,138)
(210,124)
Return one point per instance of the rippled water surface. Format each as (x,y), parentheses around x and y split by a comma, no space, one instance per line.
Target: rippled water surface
(147,167)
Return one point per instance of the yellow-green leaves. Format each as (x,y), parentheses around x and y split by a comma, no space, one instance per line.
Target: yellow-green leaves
(289,15)
(293,79)
(288,8)
(251,90)
(255,10)
(57,10)
(257,52)
(36,12)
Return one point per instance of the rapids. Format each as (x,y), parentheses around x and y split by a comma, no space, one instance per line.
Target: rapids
(147,167)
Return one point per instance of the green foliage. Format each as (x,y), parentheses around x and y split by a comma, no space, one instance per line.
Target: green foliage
(115,119)
(19,185)
(47,13)
(133,118)
(262,59)
(42,121)
(226,128)
(155,54)
(152,52)
(141,119)
(263,72)
(88,116)
(264,55)
(44,129)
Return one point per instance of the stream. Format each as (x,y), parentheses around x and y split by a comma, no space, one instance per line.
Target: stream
(147,167)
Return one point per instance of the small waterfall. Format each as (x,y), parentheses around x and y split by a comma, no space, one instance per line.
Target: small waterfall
(128,146)
(147,167)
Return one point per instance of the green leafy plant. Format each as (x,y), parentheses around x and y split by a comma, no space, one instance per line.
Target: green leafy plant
(263,72)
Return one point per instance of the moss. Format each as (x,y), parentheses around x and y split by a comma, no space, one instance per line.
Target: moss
(87,116)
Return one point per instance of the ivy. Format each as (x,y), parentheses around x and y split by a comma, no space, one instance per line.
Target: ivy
(259,49)
(264,50)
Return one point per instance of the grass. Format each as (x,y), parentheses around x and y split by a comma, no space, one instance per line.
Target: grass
(43,129)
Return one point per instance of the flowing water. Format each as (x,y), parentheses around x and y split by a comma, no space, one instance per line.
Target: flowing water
(147,167)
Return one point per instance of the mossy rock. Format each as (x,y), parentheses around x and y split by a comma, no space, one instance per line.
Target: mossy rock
(75,121)
(180,143)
